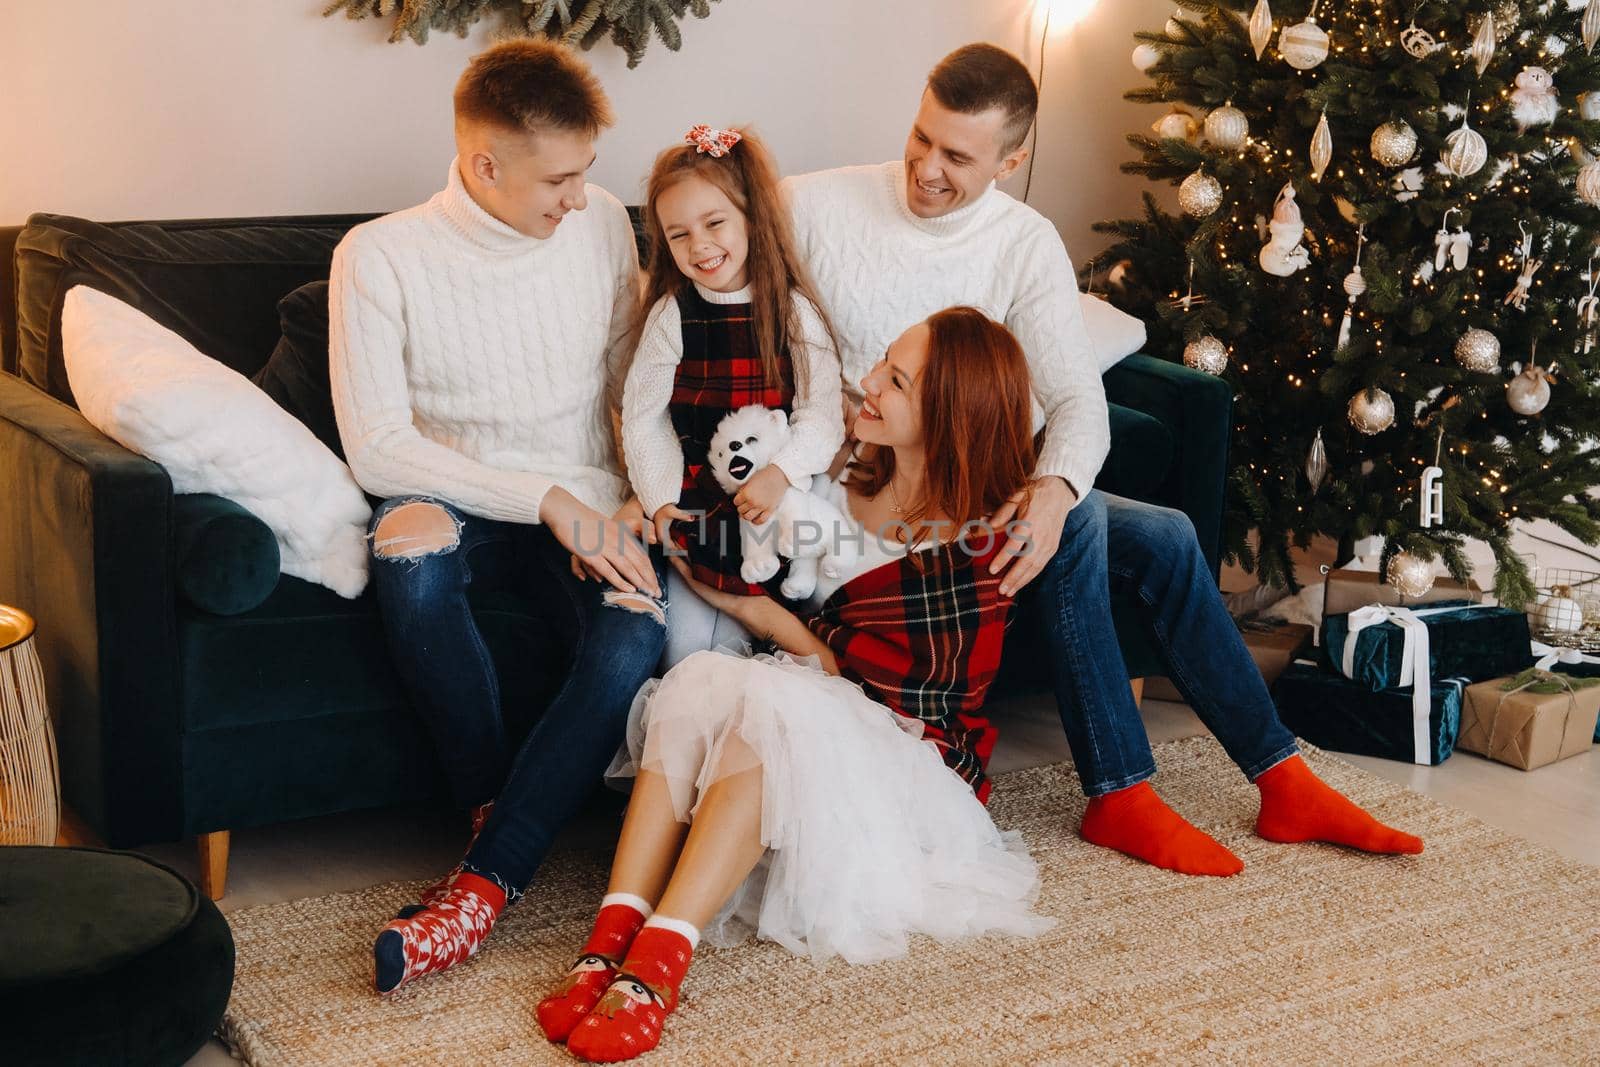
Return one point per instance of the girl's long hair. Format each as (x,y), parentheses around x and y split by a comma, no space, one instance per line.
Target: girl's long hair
(977,424)
(749,178)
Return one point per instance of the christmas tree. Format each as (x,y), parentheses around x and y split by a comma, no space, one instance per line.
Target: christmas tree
(1387,247)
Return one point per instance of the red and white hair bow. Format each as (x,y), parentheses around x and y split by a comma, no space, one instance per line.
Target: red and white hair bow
(714,142)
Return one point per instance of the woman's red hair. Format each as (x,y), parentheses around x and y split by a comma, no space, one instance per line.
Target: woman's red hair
(977,422)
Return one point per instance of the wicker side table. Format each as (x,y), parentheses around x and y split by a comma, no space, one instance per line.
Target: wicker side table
(30,786)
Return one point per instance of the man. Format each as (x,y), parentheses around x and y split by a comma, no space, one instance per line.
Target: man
(888,245)
(471,340)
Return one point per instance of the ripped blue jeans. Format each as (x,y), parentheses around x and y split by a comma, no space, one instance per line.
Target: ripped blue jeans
(421,585)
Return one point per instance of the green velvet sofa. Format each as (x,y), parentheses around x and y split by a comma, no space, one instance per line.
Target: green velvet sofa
(174,720)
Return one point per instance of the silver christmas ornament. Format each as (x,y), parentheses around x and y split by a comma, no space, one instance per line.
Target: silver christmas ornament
(1321,148)
(1177,124)
(1465,151)
(1529,392)
(1478,351)
(1394,143)
(1227,128)
(1260,27)
(1206,354)
(1482,50)
(1199,195)
(1590,27)
(1589,184)
(1303,45)
(1317,462)
(1411,576)
(1146,56)
(1372,411)
(1417,42)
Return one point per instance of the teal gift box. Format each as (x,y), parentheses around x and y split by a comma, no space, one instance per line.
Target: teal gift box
(1472,641)
(1333,712)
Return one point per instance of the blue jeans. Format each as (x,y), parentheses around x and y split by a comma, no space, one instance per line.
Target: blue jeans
(1114,544)
(445,666)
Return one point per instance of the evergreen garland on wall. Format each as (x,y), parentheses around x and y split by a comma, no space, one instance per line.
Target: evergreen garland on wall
(629,23)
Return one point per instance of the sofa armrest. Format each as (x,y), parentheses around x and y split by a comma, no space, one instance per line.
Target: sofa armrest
(86,549)
(1198,410)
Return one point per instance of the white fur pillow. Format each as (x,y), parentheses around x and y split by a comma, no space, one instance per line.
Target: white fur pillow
(151,391)
(1113,332)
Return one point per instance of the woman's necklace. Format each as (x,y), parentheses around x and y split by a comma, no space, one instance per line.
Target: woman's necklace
(895,507)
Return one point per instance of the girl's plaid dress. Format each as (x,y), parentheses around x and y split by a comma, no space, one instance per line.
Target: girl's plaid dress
(720,372)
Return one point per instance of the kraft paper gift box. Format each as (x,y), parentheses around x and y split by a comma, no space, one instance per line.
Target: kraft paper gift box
(1344,590)
(1568,661)
(1331,711)
(1459,640)
(1530,720)
(1273,650)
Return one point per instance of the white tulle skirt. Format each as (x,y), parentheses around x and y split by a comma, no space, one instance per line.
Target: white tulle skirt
(871,837)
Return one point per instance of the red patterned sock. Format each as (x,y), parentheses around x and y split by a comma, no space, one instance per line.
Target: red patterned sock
(1296,806)
(621,915)
(435,892)
(628,1019)
(1136,821)
(439,936)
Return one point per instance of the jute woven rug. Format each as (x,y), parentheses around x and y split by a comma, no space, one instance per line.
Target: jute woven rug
(1484,949)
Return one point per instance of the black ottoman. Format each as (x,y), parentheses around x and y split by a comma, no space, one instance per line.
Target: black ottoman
(107,958)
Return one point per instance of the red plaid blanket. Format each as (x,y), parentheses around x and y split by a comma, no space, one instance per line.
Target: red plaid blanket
(927,643)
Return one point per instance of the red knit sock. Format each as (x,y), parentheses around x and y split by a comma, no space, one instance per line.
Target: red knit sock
(1136,821)
(628,1019)
(1296,805)
(435,892)
(614,930)
(439,936)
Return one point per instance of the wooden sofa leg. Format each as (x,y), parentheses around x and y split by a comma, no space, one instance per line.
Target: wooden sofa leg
(213,863)
(1137,685)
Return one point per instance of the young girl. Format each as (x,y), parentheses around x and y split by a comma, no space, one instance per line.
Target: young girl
(729,320)
(828,797)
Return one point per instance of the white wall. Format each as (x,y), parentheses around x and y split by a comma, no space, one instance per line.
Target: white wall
(173,108)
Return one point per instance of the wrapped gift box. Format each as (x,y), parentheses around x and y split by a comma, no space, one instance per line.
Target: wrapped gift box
(1575,664)
(1272,649)
(1475,642)
(1343,591)
(1331,711)
(1530,720)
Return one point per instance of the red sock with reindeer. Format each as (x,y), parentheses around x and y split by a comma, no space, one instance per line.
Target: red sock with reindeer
(628,1019)
(621,916)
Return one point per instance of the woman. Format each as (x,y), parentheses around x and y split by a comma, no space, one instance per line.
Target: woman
(827,796)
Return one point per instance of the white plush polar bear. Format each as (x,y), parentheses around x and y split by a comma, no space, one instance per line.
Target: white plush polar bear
(804,528)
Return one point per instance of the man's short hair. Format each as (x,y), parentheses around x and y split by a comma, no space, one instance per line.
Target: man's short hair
(977,77)
(528,85)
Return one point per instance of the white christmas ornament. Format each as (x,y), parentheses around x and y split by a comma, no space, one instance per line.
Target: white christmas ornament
(1451,249)
(1146,56)
(1354,286)
(1227,128)
(1321,148)
(1534,101)
(1407,184)
(1206,354)
(1199,195)
(1417,42)
(1412,576)
(1372,411)
(1590,27)
(1430,497)
(1260,27)
(1558,612)
(1283,253)
(1304,45)
(1478,351)
(1482,50)
(1589,184)
(1179,125)
(1589,104)
(1529,392)
(1465,151)
(1394,143)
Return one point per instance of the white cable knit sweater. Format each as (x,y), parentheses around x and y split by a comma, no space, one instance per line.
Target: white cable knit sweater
(879,269)
(655,458)
(469,362)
